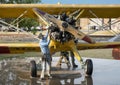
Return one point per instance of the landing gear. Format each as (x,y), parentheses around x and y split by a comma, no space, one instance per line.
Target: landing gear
(33,69)
(88,67)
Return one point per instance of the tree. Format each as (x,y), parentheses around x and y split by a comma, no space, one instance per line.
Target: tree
(26,22)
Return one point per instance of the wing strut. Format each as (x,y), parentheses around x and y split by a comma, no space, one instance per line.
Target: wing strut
(19,17)
(77,14)
(19,29)
(105,25)
(74,13)
(80,13)
(42,18)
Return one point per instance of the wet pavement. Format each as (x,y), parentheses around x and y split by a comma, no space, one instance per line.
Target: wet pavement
(17,72)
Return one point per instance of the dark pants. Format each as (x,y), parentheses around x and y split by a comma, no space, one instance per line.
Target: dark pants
(72,58)
(46,65)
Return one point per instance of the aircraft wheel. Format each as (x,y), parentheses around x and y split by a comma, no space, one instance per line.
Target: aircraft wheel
(33,69)
(88,67)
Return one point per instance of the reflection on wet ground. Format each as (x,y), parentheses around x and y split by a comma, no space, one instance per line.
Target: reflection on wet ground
(16,72)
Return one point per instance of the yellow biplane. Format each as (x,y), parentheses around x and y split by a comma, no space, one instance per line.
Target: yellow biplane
(45,12)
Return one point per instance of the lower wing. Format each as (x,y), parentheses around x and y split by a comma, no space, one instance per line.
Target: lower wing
(98,45)
(14,48)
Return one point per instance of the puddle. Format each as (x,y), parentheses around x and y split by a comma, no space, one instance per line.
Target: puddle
(17,72)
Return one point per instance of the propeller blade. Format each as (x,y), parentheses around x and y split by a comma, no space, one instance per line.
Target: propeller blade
(64,26)
(49,18)
(78,34)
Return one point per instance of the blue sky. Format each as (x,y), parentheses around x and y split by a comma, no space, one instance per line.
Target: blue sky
(81,1)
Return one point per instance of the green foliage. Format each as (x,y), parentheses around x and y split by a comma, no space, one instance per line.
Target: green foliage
(28,22)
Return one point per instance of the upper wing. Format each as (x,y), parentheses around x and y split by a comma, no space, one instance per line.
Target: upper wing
(87,11)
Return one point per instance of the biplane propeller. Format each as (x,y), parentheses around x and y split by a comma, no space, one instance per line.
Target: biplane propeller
(64,26)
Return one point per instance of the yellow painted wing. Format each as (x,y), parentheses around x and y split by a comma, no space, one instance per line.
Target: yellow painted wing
(102,11)
(98,45)
(14,48)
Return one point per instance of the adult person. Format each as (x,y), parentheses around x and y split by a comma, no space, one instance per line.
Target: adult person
(64,55)
(72,22)
(46,57)
(73,60)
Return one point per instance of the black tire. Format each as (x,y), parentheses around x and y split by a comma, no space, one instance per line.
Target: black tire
(33,69)
(88,67)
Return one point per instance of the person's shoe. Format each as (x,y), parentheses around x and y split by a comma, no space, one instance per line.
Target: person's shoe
(58,65)
(40,80)
(75,66)
(68,65)
(31,77)
(49,77)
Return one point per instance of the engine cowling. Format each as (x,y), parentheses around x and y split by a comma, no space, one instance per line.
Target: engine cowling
(60,36)
(64,25)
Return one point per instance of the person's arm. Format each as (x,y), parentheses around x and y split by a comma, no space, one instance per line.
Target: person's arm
(48,40)
(46,35)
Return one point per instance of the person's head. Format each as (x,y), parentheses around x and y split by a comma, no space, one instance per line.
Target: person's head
(40,36)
